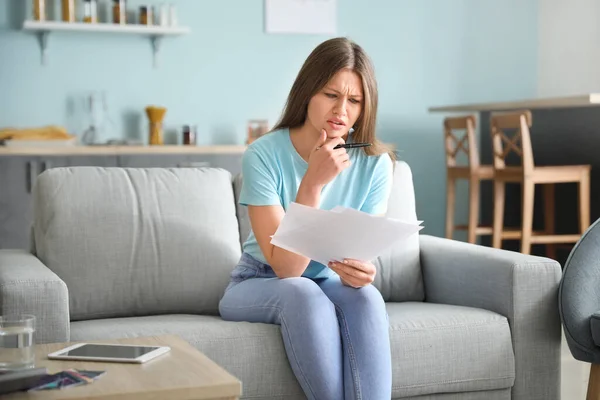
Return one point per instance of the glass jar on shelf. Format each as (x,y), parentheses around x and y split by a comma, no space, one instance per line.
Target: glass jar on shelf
(172,15)
(155,116)
(39,10)
(146,15)
(68,10)
(90,11)
(119,12)
(189,135)
(97,116)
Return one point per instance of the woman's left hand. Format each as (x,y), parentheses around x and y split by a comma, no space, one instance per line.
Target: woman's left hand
(354,273)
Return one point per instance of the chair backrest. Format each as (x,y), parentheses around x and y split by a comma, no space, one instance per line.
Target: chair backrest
(460,140)
(130,241)
(510,135)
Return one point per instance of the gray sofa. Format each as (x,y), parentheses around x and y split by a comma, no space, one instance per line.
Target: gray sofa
(135,252)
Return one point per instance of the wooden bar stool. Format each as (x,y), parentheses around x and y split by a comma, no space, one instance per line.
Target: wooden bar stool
(528,175)
(460,138)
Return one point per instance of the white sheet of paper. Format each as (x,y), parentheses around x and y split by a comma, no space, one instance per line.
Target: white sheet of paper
(324,235)
(300,16)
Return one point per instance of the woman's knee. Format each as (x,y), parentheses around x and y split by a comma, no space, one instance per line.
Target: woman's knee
(368,297)
(304,295)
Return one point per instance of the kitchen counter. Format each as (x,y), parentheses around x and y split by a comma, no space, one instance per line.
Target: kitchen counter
(565,131)
(117,150)
(585,100)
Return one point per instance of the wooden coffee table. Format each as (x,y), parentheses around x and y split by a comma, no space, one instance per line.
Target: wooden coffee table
(184,373)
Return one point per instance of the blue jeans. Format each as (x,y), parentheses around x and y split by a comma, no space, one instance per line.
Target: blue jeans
(336,337)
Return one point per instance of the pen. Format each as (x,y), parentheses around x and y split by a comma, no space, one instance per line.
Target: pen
(351,145)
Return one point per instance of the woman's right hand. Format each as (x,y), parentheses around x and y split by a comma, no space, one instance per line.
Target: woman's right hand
(325,163)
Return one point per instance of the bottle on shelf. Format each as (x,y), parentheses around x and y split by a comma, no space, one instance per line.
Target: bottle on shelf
(68,10)
(119,12)
(146,15)
(39,10)
(143,15)
(90,11)
(189,135)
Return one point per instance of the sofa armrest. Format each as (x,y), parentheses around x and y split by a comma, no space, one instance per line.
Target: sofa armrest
(28,286)
(520,287)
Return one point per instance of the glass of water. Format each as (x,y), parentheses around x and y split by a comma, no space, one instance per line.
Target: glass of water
(16,342)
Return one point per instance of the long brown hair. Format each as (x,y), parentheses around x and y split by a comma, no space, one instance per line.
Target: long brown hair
(321,65)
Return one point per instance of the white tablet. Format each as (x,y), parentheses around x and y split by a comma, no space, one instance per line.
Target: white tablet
(126,353)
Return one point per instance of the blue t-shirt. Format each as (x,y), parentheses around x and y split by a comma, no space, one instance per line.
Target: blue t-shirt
(272,171)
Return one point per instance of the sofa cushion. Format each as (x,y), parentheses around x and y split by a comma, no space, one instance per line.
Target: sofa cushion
(502,394)
(137,241)
(444,348)
(399,275)
(435,348)
(252,352)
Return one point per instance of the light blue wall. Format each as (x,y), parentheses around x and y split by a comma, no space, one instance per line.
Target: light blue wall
(426,52)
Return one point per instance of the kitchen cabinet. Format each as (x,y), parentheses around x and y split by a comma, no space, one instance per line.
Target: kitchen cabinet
(18,173)
(152,160)
(17,176)
(229,162)
(47,162)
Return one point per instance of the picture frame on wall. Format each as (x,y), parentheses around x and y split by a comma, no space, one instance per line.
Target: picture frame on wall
(301,16)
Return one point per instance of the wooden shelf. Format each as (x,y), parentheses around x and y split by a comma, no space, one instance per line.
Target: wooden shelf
(149,30)
(154,32)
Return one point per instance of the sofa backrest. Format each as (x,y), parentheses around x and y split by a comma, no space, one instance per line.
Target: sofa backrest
(399,275)
(137,241)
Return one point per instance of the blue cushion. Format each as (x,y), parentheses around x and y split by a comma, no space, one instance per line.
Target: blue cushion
(579,297)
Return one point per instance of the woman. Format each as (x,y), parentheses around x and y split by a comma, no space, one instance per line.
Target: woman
(333,321)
